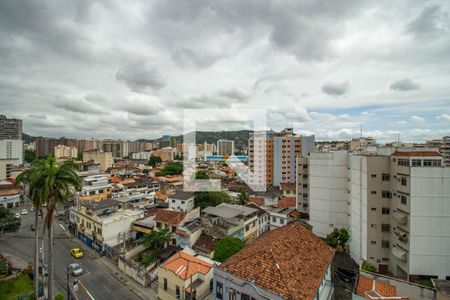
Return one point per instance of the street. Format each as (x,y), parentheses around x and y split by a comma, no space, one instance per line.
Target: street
(100,283)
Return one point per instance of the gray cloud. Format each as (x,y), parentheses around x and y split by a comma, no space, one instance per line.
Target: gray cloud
(404,85)
(79,105)
(336,88)
(140,77)
(431,22)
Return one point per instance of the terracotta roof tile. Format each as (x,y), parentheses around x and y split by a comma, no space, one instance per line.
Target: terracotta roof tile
(185,265)
(416,153)
(257,200)
(170,217)
(367,285)
(287,202)
(205,243)
(289,261)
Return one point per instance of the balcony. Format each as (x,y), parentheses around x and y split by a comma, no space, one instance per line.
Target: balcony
(402,255)
(400,217)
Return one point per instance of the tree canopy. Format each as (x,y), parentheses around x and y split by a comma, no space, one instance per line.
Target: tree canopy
(205,199)
(227,247)
(155,241)
(154,161)
(337,238)
(8,221)
(201,175)
(172,168)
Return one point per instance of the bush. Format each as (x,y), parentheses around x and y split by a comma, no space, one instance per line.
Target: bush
(366,266)
(59,297)
(227,247)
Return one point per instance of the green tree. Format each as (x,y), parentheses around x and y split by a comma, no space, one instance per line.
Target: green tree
(243,197)
(338,238)
(145,171)
(59,297)
(53,182)
(368,267)
(172,168)
(154,161)
(227,247)
(201,175)
(155,241)
(29,155)
(8,221)
(205,199)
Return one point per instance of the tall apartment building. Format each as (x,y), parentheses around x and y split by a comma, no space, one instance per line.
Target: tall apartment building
(62,151)
(281,150)
(115,147)
(12,149)
(88,144)
(444,147)
(46,146)
(105,159)
(10,129)
(397,208)
(225,147)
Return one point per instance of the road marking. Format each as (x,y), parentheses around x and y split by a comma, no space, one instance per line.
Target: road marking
(62,227)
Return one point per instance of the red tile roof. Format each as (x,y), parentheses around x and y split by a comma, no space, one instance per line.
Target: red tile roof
(170,217)
(416,153)
(257,200)
(205,243)
(185,265)
(287,202)
(289,261)
(368,287)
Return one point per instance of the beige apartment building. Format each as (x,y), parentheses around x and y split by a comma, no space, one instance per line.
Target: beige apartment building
(225,147)
(396,208)
(62,151)
(105,159)
(166,153)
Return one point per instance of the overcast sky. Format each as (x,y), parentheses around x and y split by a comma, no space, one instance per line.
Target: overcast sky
(127,69)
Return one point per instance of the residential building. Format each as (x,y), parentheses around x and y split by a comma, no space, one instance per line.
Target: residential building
(9,195)
(443,145)
(188,233)
(10,129)
(89,168)
(135,190)
(117,148)
(166,153)
(6,166)
(281,150)
(231,220)
(396,208)
(263,218)
(11,149)
(105,159)
(88,144)
(62,151)
(95,188)
(145,155)
(361,143)
(225,147)
(184,276)
(369,288)
(181,201)
(99,224)
(46,146)
(279,216)
(287,263)
(205,245)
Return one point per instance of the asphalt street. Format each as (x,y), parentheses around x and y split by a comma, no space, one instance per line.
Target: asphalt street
(98,281)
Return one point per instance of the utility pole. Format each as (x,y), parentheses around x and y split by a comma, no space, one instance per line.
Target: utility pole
(68,282)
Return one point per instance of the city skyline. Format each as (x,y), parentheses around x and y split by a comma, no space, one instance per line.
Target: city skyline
(322,68)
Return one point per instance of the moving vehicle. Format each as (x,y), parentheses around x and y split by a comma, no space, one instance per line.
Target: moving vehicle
(17,215)
(76,252)
(43,269)
(32,227)
(24,211)
(75,269)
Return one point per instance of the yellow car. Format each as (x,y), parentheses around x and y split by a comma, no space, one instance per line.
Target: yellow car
(76,252)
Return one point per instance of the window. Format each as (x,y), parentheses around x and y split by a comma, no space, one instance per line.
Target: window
(219,290)
(385,177)
(173,201)
(403,181)
(385,259)
(403,162)
(245,297)
(385,210)
(416,162)
(247,227)
(88,225)
(373,175)
(386,194)
(373,192)
(281,221)
(385,227)
(373,242)
(174,228)
(165,284)
(158,225)
(177,291)
(384,244)
(99,231)
(274,219)
(403,199)
(174,241)
(431,162)
(373,208)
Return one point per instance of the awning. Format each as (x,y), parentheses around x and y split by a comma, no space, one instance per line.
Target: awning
(400,217)
(399,253)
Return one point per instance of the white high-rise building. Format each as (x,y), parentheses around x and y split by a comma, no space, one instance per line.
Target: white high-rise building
(11,149)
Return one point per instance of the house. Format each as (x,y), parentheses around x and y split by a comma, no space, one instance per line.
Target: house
(287,189)
(135,190)
(231,220)
(9,195)
(287,202)
(287,263)
(263,218)
(369,288)
(181,201)
(205,245)
(279,216)
(184,276)
(89,168)
(95,188)
(189,233)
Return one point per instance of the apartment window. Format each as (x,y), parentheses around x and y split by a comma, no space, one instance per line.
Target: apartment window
(174,228)
(247,228)
(385,259)
(88,225)
(173,201)
(373,192)
(245,297)
(386,194)
(182,202)
(274,219)
(385,210)
(403,199)
(385,227)
(403,181)
(373,175)
(373,208)
(384,244)
(373,242)
(165,284)
(99,231)
(219,290)
(158,225)
(281,221)
(385,177)
(211,285)
(431,162)
(403,162)
(174,241)
(177,291)
(416,162)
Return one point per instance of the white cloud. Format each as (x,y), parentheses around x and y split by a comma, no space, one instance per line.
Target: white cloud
(418,120)
(443,118)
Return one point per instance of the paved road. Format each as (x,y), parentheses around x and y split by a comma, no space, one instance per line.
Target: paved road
(99,282)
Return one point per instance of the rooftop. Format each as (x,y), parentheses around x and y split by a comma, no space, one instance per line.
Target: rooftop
(287,202)
(376,289)
(170,217)
(205,243)
(416,153)
(229,211)
(107,203)
(442,286)
(289,261)
(185,265)
(180,195)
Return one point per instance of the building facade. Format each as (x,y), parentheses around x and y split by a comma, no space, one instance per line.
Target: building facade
(62,151)
(10,129)
(225,147)
(105,159)
(11,149)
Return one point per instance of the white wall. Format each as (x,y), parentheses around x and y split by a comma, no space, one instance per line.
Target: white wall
(11,149)
(328,184)
(430,221)
(113,225)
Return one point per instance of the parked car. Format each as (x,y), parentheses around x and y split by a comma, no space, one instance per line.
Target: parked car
(32,227)
(75,269)
(43,269)
(76,252)
(17,215)
(24,211)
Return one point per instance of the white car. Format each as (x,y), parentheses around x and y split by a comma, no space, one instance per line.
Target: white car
(24,211)
(17,215)
(75,269)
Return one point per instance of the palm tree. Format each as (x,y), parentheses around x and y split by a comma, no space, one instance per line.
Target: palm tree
(54,183)
(28,180)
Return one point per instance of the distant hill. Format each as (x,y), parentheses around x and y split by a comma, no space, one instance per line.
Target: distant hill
(240,137)
(27,139)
